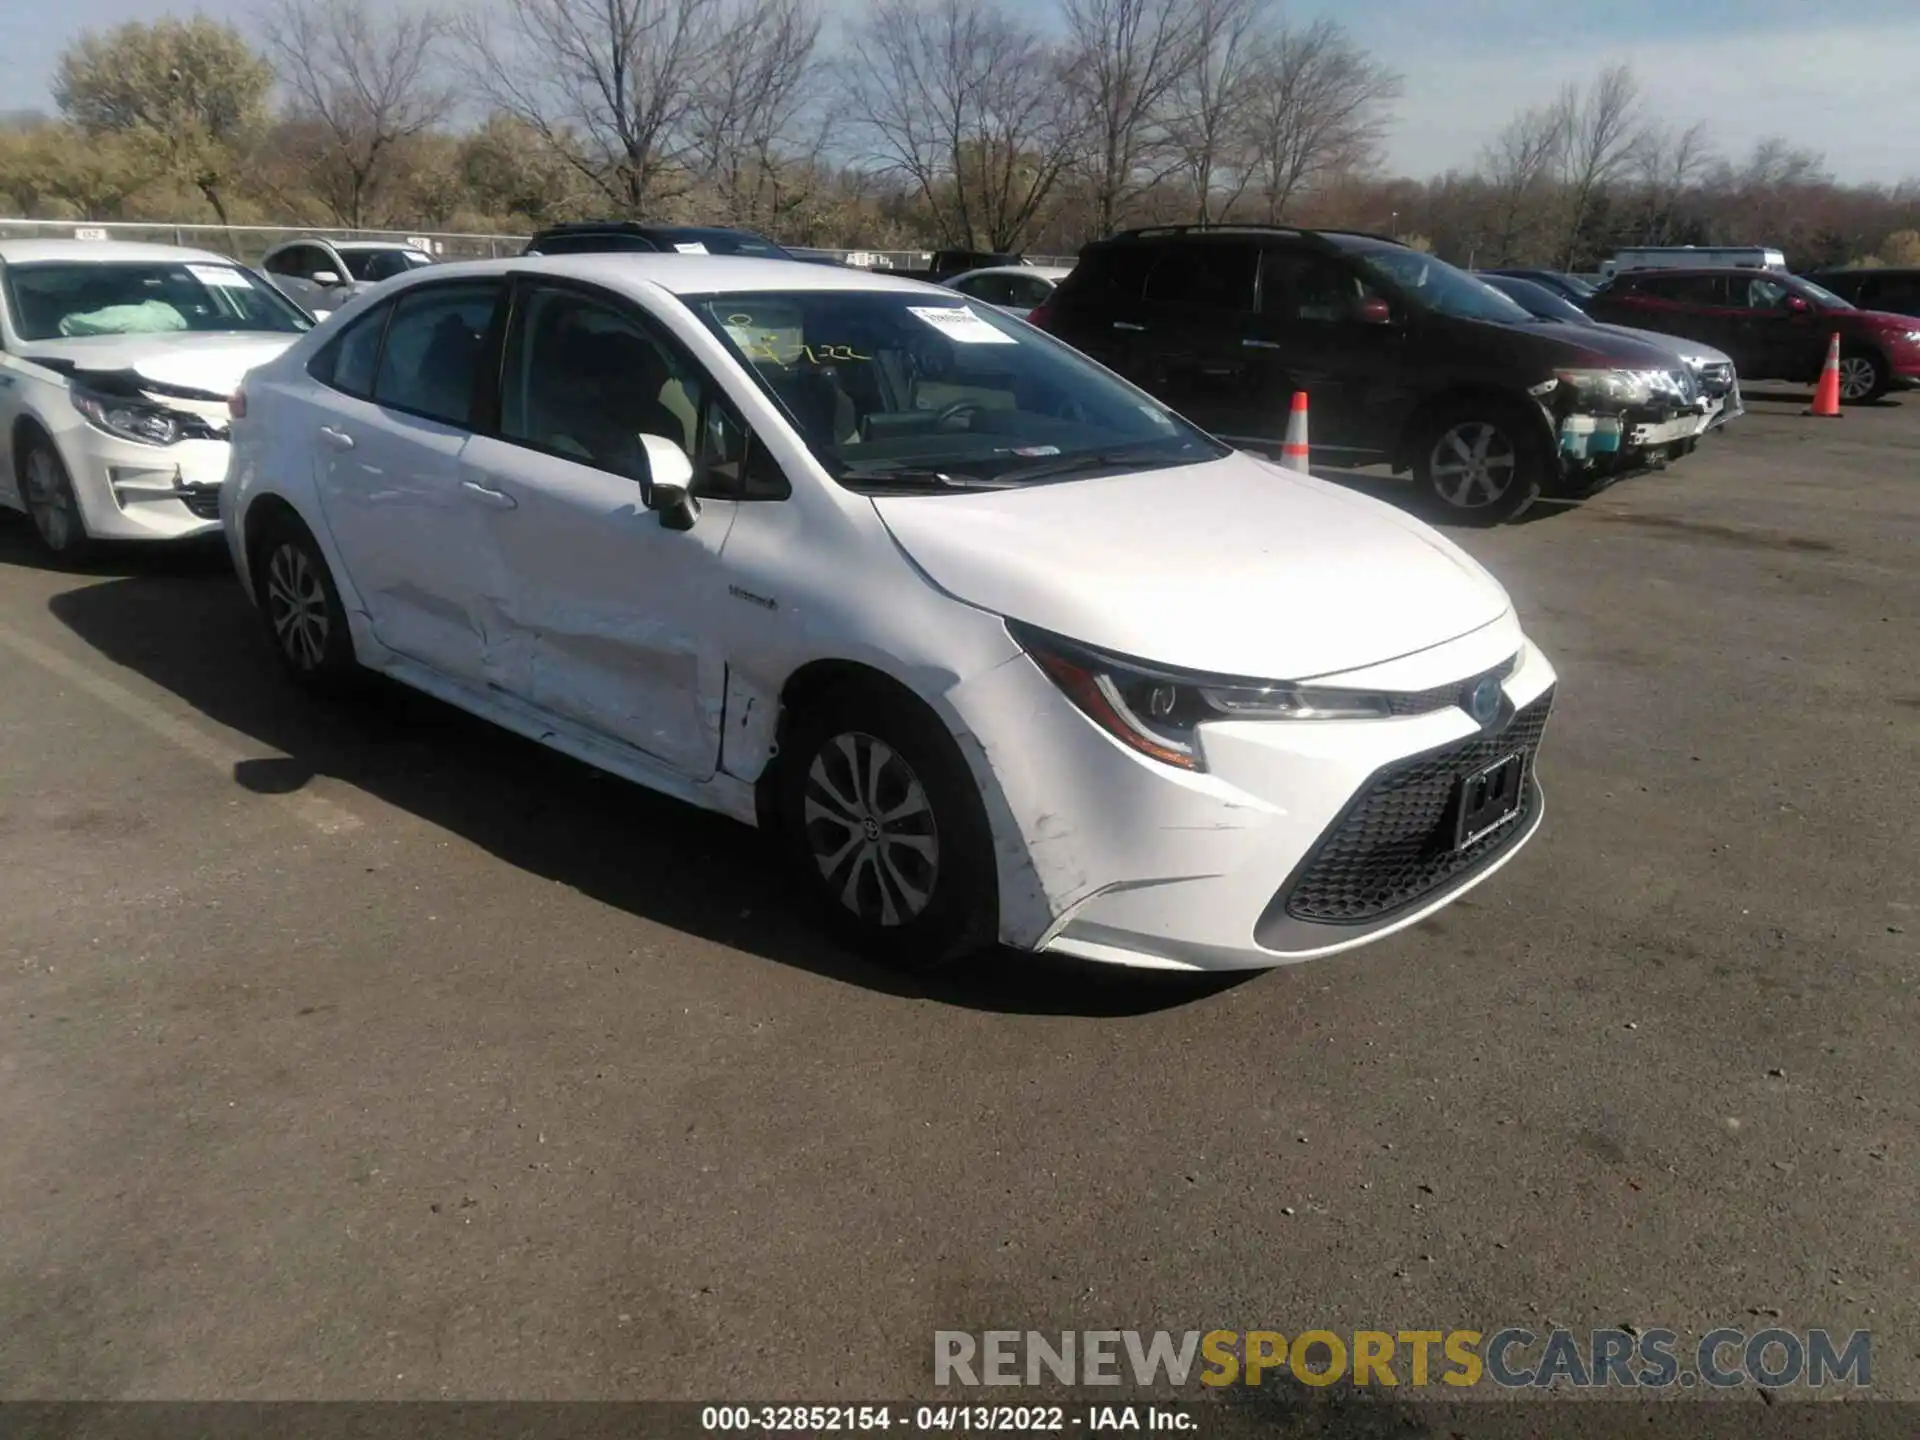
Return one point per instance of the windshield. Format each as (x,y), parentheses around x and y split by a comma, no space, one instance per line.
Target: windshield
(62,299)
(1538,301)
(1436,285)
(1822,296)
(899,387)
(725,242)
(371,265)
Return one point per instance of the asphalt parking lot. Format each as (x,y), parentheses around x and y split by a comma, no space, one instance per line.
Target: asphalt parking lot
(370,1052)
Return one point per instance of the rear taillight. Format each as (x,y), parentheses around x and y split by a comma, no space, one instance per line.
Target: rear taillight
(237,405)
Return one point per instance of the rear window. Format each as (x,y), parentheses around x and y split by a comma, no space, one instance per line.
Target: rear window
(588,244)
(1111,272)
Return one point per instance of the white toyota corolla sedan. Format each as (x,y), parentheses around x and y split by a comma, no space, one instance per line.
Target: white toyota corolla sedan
(995,644)
(116,361)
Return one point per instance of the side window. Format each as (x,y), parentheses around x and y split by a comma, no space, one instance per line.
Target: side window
(1209,277)
(320,262)
(1685,289)
(994,289)
(1298,285)
(1759,294)
(432,356)
(285,262)
(585,380)
(733,465)
(1899,293)
(1028,291)
(347,362)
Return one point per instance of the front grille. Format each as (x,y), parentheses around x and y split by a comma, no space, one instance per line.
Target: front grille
(1441,697)
(202,501)
(1392,846)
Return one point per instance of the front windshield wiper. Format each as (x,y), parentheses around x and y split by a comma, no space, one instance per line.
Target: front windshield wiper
(882,475)
(1095,460)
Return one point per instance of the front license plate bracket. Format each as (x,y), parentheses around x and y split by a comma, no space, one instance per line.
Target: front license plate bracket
(1488,799)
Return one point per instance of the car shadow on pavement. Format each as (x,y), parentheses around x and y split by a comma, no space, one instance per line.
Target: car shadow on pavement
(180,621)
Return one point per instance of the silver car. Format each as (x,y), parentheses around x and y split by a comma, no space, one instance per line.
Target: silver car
(322,275)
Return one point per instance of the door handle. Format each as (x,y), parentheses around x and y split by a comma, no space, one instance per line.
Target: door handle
(1260,344)
(338,439)
(1129,325)
(487,495)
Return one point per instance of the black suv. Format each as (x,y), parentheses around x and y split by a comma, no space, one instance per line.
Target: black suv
(594,236)
(1889,288)
(1405,361)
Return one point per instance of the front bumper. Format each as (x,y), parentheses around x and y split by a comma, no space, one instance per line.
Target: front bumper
(1299,841)
(129,491)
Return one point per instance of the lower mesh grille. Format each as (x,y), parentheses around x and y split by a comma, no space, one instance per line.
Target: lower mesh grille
(1393,846)
(203,501)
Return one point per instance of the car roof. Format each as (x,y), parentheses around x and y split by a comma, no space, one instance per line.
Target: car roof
(684,274)
(1045,272)
(26,252)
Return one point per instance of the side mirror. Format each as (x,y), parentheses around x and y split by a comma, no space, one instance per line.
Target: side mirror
(668,488)
(325,277)
(1373,311)
(1797,306)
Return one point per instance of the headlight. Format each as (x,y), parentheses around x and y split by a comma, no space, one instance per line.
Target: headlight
(1622,387)
(128,419)
(1913,337)
(1158,712)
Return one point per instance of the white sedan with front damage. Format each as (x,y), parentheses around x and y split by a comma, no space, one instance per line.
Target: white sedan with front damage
(995,645)
(116,361)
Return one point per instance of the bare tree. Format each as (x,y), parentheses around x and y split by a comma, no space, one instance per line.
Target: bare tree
(1126,57)
(612,86)
(1603,137)
(1520,167)
(366,83)
(1670,162)
(757,128)
(1319,109)
(971,108)
(1208,125)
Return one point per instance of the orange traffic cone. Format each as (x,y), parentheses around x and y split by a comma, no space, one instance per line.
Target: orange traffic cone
(1826,395)
(1293,454)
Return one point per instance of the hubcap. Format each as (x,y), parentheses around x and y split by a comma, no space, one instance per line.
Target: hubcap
(49,500)
(1472,465)
(871,829)
(297,605)
(1857,374)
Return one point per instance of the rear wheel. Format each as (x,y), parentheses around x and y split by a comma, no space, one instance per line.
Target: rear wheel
(883,826)
(305,621)
(1479,465)
(47,491)
(1863,376)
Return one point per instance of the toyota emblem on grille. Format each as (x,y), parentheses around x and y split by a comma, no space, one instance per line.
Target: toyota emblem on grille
(1484,699)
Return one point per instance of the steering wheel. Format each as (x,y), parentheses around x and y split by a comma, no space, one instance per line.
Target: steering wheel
(955,411)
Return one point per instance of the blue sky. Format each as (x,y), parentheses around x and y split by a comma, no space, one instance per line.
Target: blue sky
(1841,78)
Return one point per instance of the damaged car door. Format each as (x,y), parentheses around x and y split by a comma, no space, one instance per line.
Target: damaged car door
(601,603)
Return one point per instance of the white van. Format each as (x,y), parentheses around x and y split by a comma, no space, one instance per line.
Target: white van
(1673,257)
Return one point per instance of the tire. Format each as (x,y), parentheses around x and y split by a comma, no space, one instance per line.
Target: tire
(883,827)
(300,609)
(1479,464)
(46,492)
(1864,377)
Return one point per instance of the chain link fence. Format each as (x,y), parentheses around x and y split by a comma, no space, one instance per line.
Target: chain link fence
(248,243)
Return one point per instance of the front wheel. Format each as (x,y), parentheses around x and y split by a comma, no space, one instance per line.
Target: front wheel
(47,491)
(1863,377)
(883,826)
(1480,466)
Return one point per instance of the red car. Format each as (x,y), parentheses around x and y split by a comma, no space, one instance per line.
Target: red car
(1775,326)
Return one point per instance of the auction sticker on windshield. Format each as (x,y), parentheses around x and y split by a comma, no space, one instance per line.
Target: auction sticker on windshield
(961,326)
(220,275)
